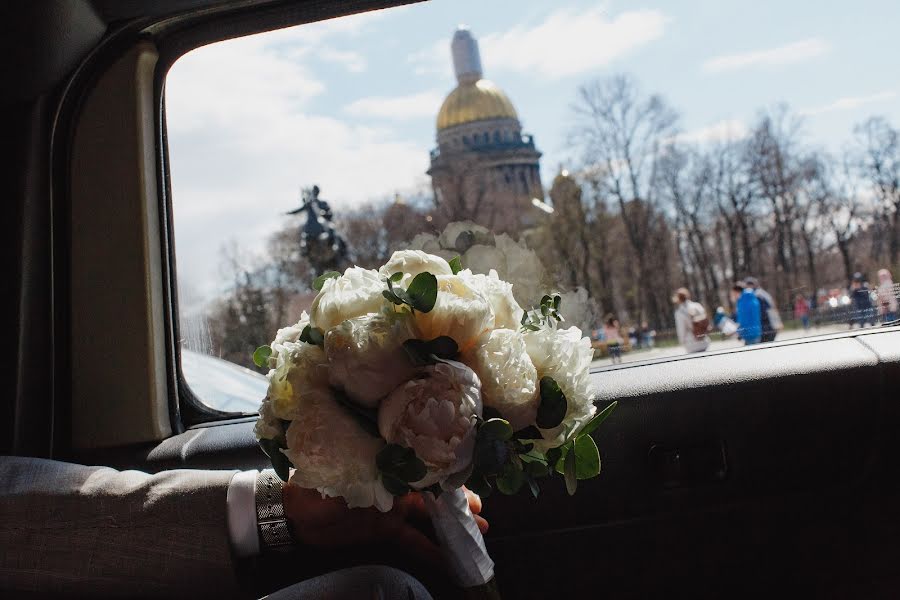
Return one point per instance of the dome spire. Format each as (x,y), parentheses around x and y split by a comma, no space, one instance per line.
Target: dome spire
(466,59)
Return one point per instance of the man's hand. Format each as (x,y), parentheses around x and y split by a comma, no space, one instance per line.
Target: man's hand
(318,521)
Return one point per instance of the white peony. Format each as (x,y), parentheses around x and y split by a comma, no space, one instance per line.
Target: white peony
(291,333)
(355,293)
(507,312)
(268,426)
(435,414)
(509,381)
(413,262)
(523,269)
(472,233)
(564,355)
(365,358)
(299,368)
(334,455)
(460,311)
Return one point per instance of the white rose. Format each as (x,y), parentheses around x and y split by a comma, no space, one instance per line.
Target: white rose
(509,381)
(507,312)
(413,262)
(564,355)
(334,455)
(435,415)
(460,311)
(355,293)
(299,367)
(365,358)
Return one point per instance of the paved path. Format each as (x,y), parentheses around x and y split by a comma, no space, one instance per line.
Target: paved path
(723,345)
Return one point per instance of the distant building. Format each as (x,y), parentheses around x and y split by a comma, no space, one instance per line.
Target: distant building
(484,168)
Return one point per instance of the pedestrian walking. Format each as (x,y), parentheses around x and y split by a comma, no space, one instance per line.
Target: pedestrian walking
(801,310)
(613,337)
(861,312)
(691,322)
(887,296)
(770,319)
(747,314)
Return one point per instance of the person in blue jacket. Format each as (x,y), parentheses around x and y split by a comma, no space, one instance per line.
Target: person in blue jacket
(748,313)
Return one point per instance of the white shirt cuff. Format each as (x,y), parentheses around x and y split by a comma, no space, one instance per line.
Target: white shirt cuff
(241,501)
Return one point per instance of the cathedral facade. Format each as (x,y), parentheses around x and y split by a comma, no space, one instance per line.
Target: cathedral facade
(484,168)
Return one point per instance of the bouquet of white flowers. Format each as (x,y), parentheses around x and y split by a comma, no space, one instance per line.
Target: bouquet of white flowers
(424,376)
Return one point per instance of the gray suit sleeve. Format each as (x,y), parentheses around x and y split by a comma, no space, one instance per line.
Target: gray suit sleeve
(97,532)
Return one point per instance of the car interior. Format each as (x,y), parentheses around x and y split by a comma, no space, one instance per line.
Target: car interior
(766,470)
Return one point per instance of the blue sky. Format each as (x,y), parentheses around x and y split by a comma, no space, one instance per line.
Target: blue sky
(350,103)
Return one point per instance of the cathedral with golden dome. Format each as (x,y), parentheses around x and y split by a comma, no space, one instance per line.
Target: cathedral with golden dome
(484,168)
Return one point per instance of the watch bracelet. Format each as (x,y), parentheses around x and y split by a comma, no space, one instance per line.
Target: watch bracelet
(271,522)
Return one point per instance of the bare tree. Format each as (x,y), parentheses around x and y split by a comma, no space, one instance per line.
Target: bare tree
(880,164)
(624,132)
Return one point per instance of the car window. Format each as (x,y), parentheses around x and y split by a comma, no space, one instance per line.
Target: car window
(689,177)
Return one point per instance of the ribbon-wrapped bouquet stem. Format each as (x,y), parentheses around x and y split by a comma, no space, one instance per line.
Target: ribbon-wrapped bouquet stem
(425,376)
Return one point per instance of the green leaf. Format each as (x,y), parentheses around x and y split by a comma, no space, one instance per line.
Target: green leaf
(312,335)
(394,485)
(391,297)
(510,479)
(400,462)
(587,458)
(556,302)
(319,281)
(423,292)
(455,264)
(532,485)
(443,347)
(553,457)
(280,462)
(479,484)
(261,356)
(536,469)
(597,419)
(569,473)
(490,455)
(528,433)
(396,277)
(524,317)
(496,429)
(417,352)
(553,406)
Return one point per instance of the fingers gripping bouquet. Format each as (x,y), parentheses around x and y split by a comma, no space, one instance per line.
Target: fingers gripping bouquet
(424,376)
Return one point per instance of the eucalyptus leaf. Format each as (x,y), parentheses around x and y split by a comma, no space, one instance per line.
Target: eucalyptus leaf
(570,474)
(319,281)
(455,264)
(417,352)
(400,462)
(391,297)
(497,429)
(490,456)
(553,406)
(489,412)
(528,433)
(261,356)
(312,335)
(459,479)
(394,485)
(443,347)
(532,485)
(553,457)
(396,277)
(587,457)
(536,469)
(422,292)
(597,419)
(479,484)
(280,463)
(510,479)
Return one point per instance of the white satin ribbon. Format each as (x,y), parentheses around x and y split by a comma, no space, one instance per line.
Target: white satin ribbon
(460,537)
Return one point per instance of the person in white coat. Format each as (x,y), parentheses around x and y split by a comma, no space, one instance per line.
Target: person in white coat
(691,322)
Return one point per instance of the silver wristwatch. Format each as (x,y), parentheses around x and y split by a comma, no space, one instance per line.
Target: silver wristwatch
(270,518)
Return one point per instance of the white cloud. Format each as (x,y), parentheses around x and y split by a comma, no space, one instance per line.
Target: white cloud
(244,139)
(565,43)
(423,104)
(352,61)
(782,55)
(727,130)
(849,103)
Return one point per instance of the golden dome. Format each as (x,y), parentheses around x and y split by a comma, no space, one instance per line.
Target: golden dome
(474,102)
